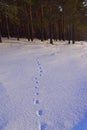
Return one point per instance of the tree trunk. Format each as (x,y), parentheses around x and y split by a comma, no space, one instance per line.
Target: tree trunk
(27,26)
(59,30)
(28,34)
(30,24)
(42,31)
(0,37)
(55,37)
(51,35)
(73,33)
(0,34)
(69,34)
(63,28)
(45,33)
(7,27)
(18,33)
(50,24)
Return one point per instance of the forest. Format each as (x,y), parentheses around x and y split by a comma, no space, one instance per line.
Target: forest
(44,19)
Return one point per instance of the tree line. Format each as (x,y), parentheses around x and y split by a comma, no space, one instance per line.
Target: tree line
(43,19)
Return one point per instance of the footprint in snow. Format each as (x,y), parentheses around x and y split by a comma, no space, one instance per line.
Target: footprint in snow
(45,126)
(39,112)
(38,64)
(36,87)
(40,68)
(37,93)
(42,126)
(36,80)
(40,75)
(36,101)
(41,71)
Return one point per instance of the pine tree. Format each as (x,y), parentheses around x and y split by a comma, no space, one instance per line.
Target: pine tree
(54,19)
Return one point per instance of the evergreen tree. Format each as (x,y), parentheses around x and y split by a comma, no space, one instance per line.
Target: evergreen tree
(54,19)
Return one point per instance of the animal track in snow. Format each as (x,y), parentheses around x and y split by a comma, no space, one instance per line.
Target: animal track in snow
(37,93)
(36,80)
(45,126)
(36,101)
(39,67)
(40,75)
(38,63)
(42,126)
(36,87)
(36,83)
(40,112)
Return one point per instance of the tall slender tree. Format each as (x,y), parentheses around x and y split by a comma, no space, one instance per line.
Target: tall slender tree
(50,22)
(25,18)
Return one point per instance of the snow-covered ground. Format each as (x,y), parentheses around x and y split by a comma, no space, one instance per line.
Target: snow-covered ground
(43,86)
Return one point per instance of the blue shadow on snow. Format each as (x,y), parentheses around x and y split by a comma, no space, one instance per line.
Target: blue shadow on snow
(4,105)
(82,125)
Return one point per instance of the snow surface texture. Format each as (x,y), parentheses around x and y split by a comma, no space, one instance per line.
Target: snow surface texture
(42,86)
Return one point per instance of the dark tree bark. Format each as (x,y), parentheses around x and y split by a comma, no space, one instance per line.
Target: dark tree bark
(28,32)
(60,29)
(0,37)
(30,23)
(27,26)
(50,24)
(7,27)
(45,33)
(73,33)
(55,31)
(42,31)
(63,28)
(69,34)
(18,33)
(51,35)
(0,34)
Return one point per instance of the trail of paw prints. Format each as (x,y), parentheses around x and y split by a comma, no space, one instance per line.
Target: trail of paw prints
(37,78)
(36,85)
(39,67)
(39,110)
(42,124)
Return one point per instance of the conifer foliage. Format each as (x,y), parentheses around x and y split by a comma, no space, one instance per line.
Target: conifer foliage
(43,19)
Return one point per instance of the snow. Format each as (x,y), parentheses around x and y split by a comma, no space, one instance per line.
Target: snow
(43,86)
